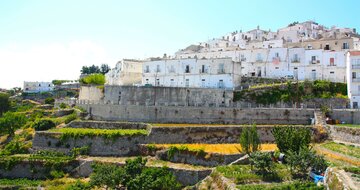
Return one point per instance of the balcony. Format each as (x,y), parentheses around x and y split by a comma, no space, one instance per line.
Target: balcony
(221,71)
(243,59)
(356,79)
(276,59)
(355,66)
(314,62)
(295,60)
(259,60)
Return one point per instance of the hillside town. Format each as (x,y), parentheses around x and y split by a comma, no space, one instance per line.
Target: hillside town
(259,109)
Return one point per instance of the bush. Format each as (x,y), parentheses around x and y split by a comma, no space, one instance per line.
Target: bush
(62,106)
(262,161)
(43,125)
(95,79)
(49,100)
(15,147)
(70,118)
(291,138)
(133,175)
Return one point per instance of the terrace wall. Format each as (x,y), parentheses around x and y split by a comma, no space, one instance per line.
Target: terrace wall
(176,114)
(347,116)
(346,134)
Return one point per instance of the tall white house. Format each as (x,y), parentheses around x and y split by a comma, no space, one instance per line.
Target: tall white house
(35,87)
(353,78)
(192,73)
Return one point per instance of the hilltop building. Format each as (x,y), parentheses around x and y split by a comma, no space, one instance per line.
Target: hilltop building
(127,72)
(353,78)
(192,73)
(35,87)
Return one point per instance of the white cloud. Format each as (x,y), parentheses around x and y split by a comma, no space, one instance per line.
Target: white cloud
(19,63)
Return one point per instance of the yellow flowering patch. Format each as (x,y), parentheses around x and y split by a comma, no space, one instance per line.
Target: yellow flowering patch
(218,148)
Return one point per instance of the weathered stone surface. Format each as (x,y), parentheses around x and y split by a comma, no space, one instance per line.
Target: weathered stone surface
(63,112)
(345,134)
(202,115)
(107,125)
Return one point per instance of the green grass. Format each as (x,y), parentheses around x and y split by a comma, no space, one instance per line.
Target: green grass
(343,149)
(20,182)
(297,185)
(242,174)
(106,133)
(348,125)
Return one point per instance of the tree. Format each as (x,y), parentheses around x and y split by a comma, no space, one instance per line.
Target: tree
(108,175)
(133,176)
(262,161)
(249,140)
(96,79)
(291,138)
(10,122)
(4,103)
(104,68)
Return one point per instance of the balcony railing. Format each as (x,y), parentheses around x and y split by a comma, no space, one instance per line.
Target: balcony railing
(314,62)
(221,71)
(295,60)
(355,66)
(356,79)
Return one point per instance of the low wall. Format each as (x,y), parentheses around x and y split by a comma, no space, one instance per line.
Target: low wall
(131,145)
(33,170)
(121,146)
(174,114)
(347,116)
(210,160)
(346,134)
(107,125)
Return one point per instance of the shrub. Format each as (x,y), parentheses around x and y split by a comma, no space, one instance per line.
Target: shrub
(78,185)
(43,125)
(62,106)
(15,147)
(249,140)
(10,122)
(291,138)
(70,118)
(262,161)
(49,100)
(95,79)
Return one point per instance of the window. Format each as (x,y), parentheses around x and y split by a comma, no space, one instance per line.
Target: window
(202,82)
(276,67)
(355,105)
(296,58)
(39,84)
(187,83)
(327,47)
(276,54)
(354,75)
(313,58)
(187,69)
(221,84)
(172,82)
(243,57)
(172,69)
(157,68)
(345,45)
(221,68)
(147,81)
(202,68)
(147,69)
(332,61)
(157,82)
(258,57)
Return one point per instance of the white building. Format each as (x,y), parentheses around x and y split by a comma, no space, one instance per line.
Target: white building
(35,87)
(192,73)
(353,78)
(126,72)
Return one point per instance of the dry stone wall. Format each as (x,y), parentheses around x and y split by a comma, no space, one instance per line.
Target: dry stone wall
(173,114)
(345,134)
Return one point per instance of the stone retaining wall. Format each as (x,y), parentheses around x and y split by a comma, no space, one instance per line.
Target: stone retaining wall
(346,134)
(107,125)
(176,114)
(209,160)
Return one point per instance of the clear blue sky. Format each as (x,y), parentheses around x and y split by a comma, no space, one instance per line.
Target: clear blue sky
(41,40)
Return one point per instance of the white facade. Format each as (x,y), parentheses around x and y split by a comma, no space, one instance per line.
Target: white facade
(353,78)
(192,73)
(35,87)
(126,72)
